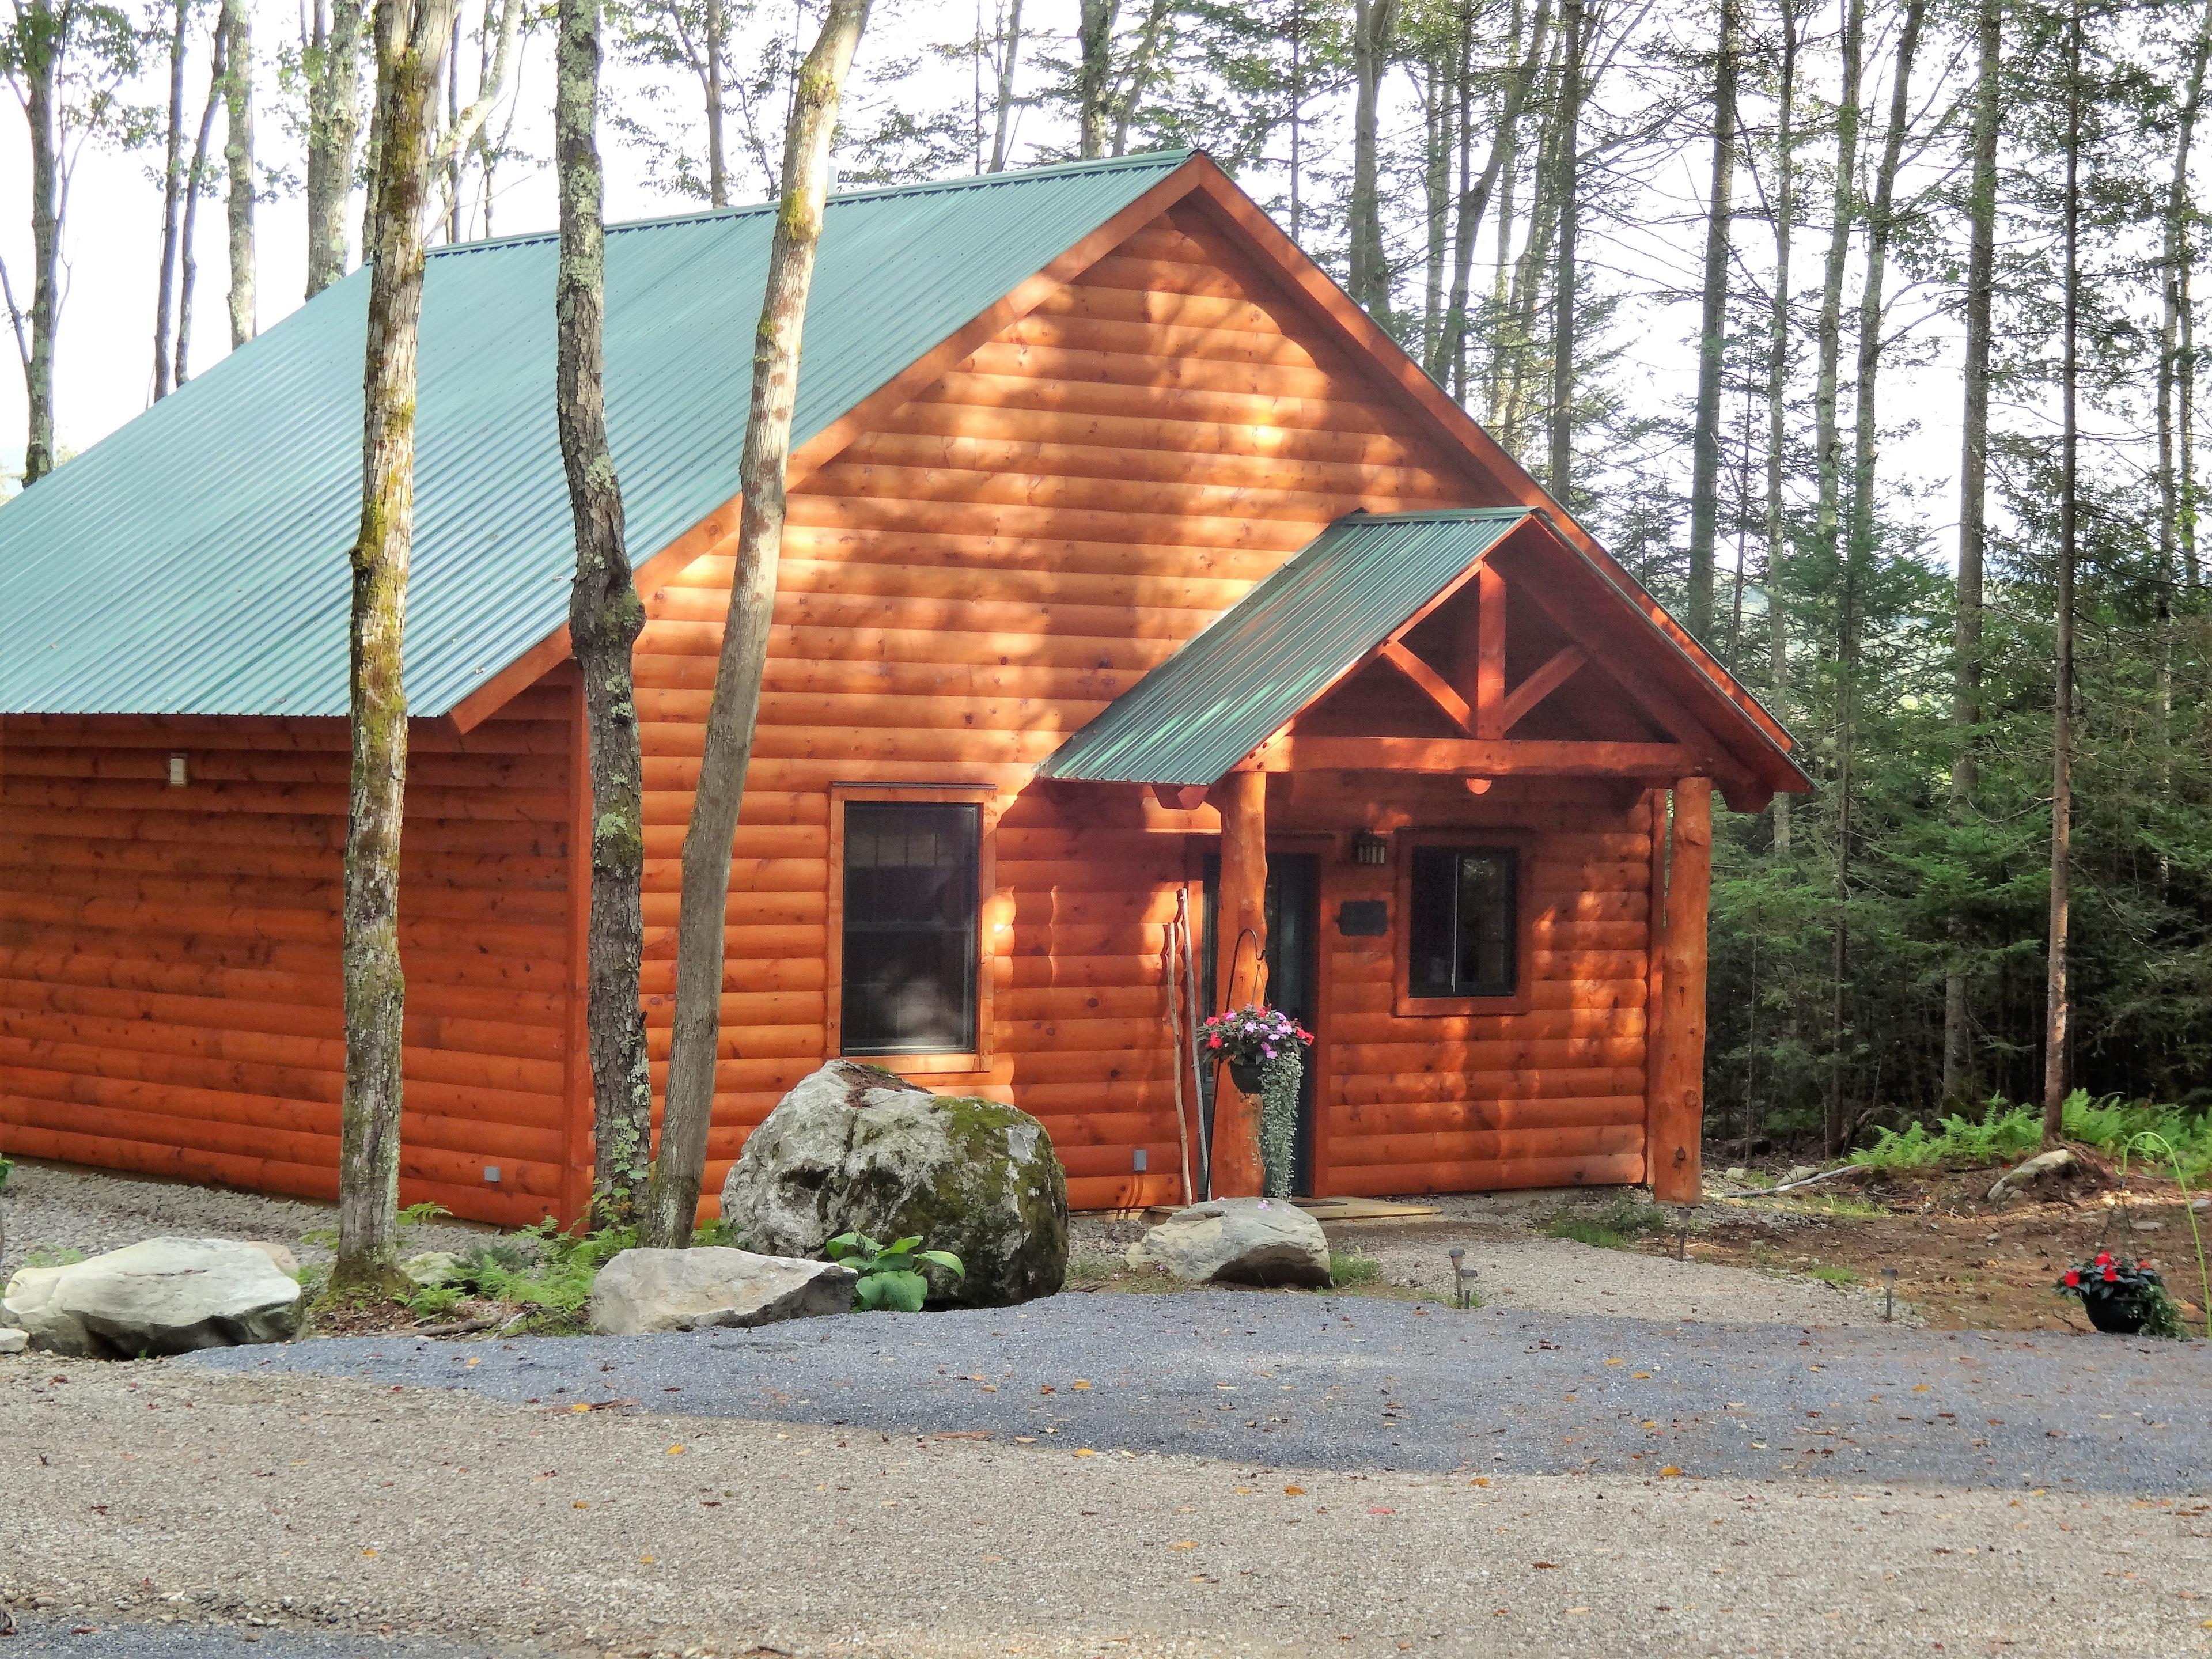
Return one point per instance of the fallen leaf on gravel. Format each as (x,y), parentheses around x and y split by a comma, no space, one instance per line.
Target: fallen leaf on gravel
(1641,1376)
(580,1505)
(1670,1470)
(1078,1383)
(1616,1362)
(1046,1389)
(474,1359)
(1294,1492)
(647,1559)
(1573,1612)
(1084,1451)
(1479,1481)
(1920,1388)
(1376,1509)
(1544,1563)
(674,1451)
(369,1552)
(1184,1544)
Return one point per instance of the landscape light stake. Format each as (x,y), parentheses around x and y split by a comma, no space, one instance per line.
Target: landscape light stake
(1682,1242)
(1889,1295)
(1462,1296)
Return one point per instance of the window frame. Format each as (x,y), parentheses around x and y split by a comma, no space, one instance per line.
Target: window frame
(1520,844)
(971,1062)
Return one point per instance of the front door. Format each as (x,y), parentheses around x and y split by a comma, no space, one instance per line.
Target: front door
(1293,909)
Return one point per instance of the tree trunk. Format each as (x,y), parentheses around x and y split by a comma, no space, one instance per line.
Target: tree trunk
(1568,193)
(1777,384)
(1973,503)
(1451,346)
(333,128)
(1712,337)
(1368,279)
(672,1198)
(1142,66)
(718,166)
(2058,1005)
(43,45)
(1010,50)
(238,162)
(604,617)
(1093,70)
(1828,458)
(411,36)
(173,160)
(1439,129)
(466,122)
(188,265)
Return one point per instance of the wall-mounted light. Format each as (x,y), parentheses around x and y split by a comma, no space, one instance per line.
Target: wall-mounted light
(1369,849)
(178,776)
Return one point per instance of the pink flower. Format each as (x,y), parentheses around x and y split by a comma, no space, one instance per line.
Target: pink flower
(1214,1041)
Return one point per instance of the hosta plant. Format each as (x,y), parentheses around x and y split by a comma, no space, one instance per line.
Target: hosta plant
(890,1275)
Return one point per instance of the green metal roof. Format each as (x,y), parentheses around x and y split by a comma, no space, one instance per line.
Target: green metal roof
(195,562)
(1269,655)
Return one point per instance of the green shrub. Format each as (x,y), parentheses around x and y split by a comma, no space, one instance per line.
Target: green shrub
(1834,1275)
(2006,1133)
(890,1275)
(1347,1267)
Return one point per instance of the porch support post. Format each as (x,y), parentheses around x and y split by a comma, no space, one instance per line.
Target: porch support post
(1675,1121)
(1240,949)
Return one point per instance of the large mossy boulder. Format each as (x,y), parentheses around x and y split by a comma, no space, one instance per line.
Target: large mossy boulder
(856,1149)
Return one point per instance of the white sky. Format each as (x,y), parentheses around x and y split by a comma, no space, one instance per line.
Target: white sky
(104,373)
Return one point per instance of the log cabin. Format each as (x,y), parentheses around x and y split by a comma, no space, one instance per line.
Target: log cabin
(1132,572)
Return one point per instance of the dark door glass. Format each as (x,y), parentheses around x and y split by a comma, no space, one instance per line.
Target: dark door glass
(909,927)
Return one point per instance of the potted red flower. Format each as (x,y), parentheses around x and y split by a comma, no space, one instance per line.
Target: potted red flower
(1264,1050)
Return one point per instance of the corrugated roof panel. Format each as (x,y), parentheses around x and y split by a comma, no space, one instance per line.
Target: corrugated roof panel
(1272,652)
(195,562)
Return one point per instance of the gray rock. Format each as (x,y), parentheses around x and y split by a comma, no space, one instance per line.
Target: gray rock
(1245,1241)
(431,1269)
(13,1340)
(855,1149)
(645,1290)
(280,1256)
(1799,1172)
(2043,1165)
(165,1296)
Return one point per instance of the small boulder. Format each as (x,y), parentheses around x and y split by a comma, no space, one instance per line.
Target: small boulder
(280,1256)
(645,1290)
(431,1269)
(13,1340)
(2041,1167)
(855,1149)
(165,1296)
(1244,1241)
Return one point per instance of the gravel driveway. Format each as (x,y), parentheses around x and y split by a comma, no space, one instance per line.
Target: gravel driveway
(1359,1383)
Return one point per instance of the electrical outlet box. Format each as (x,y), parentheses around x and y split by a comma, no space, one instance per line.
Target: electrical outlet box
(491,1173)
(1139,1160)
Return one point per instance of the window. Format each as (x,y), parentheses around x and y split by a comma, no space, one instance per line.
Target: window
(909,934)
(1462,907)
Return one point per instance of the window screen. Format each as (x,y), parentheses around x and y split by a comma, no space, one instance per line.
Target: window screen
(909,927)
(1462,934)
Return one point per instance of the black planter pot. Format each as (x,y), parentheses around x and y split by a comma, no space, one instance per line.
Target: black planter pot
(2121,1316)
(1245,1074)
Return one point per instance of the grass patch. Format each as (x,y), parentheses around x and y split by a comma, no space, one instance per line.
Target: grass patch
(51,1256)
(1349,1267)
(1844,1206)
(2006,1133)
(1615,1226)
(1828,1275)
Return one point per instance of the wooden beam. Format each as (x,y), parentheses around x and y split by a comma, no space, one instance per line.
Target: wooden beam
(1675,1132)
(1555,673)
(1403,658)
(1240,950)
(1180,797)
(1454,756)
(1489,653)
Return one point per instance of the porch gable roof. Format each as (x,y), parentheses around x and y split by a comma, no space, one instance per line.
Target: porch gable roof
(1239,679)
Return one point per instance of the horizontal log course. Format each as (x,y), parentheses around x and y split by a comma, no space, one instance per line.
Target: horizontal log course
(949,417)
(792,676)
(800,971)
(1417,1117)
(751,1010)
(1160,871)
(1038,973)
(1011,621)
(1033,908)
(769,942)
(1226,307)
(882,507)
(1385,1180)
(1504,757)
(256,1173)
(873,711)
(743,908)
(1050,938)
(1355,1029)
(1058,362)
(208,767)
(1152,1060)
(1128,1191)
(752,878)
(1344,1088)
(320,988)
(1056,1004)
(939,552)
(1486,1147)
(744,1043)
(1461,1057)
(1032,455)
(919,645)
(1026,394)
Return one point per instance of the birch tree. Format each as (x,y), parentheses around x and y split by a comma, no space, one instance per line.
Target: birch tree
(172,184)
(604,617)
(411,39)
(1712,333)
(237,27)
(671,1201)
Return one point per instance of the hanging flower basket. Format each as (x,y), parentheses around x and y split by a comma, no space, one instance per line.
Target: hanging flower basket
(2118,1298)
(1264,1050)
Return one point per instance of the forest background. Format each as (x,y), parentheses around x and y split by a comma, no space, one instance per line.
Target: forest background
(1777,295)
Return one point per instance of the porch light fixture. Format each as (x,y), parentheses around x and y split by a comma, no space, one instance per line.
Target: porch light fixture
(1369,849)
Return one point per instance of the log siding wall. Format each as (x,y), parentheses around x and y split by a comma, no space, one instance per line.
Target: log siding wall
(170,994)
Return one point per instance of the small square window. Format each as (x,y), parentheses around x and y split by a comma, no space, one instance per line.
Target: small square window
(909,927)
(1462,910)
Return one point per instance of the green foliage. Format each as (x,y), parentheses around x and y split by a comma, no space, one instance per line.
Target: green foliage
(2004,1134)
(7,1169)
(2162,1314)
(1615,1227)
(1833,1275)
(51,1256)
(891,1279)
(1349,1267)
